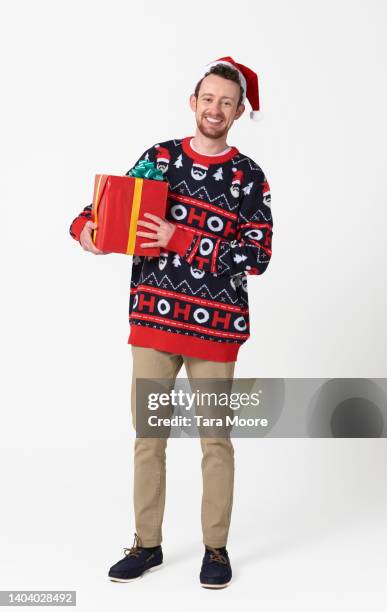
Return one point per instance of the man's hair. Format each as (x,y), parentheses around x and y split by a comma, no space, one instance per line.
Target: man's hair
(225,72)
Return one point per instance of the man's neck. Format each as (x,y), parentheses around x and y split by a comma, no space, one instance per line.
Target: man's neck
(209,146)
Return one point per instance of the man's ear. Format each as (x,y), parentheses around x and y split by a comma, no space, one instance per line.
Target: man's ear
(192,102)
(240,110)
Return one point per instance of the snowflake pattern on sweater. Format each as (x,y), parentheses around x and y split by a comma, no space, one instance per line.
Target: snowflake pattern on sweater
(193,299)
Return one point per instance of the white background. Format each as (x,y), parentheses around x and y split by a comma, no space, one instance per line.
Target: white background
(86,87)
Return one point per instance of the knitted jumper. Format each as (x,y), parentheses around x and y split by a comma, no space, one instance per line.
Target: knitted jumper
(193,299)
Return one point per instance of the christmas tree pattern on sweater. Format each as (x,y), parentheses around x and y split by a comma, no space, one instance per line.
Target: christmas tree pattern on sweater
(193,299)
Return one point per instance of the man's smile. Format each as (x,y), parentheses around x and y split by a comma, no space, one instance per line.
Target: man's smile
(213,121)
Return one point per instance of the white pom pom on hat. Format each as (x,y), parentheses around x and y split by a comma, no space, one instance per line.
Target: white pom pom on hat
(256,115)
(249,83)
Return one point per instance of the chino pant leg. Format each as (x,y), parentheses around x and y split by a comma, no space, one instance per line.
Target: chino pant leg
(217,463)
(149,453)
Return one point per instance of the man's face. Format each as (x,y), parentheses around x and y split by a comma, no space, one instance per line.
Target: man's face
(216,107)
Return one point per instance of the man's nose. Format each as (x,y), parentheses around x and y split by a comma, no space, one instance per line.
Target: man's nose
(215,107)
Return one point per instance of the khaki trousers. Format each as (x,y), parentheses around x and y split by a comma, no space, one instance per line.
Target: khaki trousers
(150,457)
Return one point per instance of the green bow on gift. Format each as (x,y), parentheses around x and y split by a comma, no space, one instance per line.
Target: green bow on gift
(146,169)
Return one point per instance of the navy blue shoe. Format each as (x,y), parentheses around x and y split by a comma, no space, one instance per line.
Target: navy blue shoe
(216,570)
(137,560)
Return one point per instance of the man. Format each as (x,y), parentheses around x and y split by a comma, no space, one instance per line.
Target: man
(190,305)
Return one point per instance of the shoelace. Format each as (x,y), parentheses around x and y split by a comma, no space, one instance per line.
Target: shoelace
(134,551)
(217,556)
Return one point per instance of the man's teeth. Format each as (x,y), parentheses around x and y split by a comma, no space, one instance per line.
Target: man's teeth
(213,120)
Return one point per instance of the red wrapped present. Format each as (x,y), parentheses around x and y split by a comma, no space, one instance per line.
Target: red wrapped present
(118,203)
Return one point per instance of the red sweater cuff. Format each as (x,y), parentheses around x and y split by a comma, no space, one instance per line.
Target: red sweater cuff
(180,241)
(78,226)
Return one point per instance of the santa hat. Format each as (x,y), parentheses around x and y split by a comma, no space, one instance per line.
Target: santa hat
(163,155)
(238,176)
(266,193)
(265,188)
(249,82)
(201,166)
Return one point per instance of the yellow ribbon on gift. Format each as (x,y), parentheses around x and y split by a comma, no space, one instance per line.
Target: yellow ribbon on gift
(134,217)
(96,205)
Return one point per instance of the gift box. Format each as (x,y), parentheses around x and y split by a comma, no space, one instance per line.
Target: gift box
(120,201)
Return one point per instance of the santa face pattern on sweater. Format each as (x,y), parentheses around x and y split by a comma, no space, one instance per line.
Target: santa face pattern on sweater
(193,299)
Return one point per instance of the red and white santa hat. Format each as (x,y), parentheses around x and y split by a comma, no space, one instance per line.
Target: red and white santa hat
(163,155)
(249,83)
(265,188)
(238,176)
(200,166)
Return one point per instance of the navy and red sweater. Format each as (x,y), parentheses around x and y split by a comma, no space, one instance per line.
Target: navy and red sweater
(193,299)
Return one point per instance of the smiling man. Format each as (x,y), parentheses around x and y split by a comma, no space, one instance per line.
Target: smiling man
(190,305)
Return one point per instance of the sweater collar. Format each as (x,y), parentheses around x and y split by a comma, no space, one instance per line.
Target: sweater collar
(206,159)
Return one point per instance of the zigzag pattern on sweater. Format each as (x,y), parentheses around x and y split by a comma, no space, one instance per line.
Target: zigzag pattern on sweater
(258,217)
(207,198)
(252,165)
(223,252)
(148,280)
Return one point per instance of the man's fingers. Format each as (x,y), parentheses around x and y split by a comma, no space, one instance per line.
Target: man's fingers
(147,235)
(86,239)
(94,250)
(154,217)
(150,244)
(91,224)
(151,226)
(88,245)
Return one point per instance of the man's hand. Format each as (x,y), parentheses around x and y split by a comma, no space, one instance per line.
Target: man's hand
(161,228)
(86,240)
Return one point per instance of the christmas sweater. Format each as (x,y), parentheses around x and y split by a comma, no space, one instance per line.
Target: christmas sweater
(193,298)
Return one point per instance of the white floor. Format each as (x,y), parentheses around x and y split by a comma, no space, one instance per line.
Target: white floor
(309,525)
